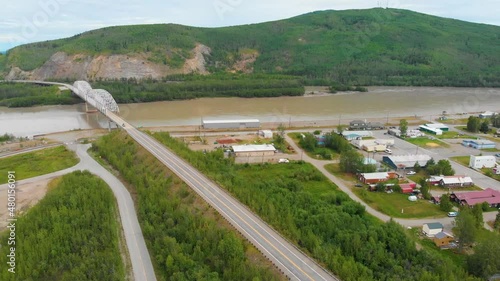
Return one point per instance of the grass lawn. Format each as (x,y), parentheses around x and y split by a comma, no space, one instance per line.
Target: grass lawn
(316,154)
(464,160)
(454,135)
(392,204)
(426,142)
(454,121)
(37,163)
(490,149)
(489,173)
(334,169)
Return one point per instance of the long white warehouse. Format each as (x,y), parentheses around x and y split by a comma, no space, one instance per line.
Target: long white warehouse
(231,124)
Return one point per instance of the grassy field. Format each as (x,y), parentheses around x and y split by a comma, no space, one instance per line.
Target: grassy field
(463,160)
(334,169)
(389,204)
(459,121)
(37,163)
(454,135)
(397,205)
(427,143)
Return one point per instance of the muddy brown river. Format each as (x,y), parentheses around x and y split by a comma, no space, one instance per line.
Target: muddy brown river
(379,102)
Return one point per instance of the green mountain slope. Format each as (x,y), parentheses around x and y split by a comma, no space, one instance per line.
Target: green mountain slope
(369,47)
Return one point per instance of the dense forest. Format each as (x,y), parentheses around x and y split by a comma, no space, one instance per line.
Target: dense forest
(356,47)
(26,95)
(197,86)
(71,234)
(297,200)
(187,240)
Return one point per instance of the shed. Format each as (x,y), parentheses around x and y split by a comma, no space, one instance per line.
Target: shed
(267,134)
(432,228)
(443,239)
(478,162)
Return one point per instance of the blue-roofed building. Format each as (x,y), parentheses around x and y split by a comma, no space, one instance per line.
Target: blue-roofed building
(479,144)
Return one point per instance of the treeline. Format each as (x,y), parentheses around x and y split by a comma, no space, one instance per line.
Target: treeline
(129,91)
(71,234)
(330,226)
(186,239)
(26,95)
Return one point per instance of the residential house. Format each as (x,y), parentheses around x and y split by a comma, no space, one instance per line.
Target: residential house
(373,178)
(443,239)
(490,196)
(432,228)
(456,181)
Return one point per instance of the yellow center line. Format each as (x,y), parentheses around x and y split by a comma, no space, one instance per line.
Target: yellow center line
(223,203)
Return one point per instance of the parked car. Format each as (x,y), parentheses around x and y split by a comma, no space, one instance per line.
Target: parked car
(452,214)
(283,160)
(497,155)
(411,173)
(388,151)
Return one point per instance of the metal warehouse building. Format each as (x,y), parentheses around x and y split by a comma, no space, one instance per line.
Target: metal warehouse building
(406,161)
(479,144)
(253,150)
(231,124)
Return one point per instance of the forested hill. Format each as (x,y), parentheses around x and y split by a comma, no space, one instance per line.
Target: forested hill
(362,47)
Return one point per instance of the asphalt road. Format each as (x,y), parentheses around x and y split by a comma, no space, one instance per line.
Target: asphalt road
(289,259)
(139,256)
(141,263)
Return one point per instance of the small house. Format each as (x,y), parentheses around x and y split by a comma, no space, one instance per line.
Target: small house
(267,134)
(443,239)
(431,229)
(373,178)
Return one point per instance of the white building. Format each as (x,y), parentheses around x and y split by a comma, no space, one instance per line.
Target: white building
(267,134)
(372,145)
(431,229)
(231,124)
(253,150)
(353,135)
(479,162)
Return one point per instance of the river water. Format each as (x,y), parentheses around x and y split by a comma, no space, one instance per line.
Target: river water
(379,102)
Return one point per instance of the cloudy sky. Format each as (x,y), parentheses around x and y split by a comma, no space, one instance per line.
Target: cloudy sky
(27,21)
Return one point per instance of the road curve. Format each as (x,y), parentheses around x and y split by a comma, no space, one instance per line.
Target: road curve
(288,258)
(142,267)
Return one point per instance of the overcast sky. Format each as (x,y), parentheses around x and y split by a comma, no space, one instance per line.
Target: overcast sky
(25,21)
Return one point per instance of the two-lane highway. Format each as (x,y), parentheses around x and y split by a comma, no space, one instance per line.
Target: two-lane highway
(289,259)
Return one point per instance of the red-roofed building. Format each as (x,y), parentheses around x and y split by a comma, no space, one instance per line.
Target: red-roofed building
(490,196)
(407,187)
